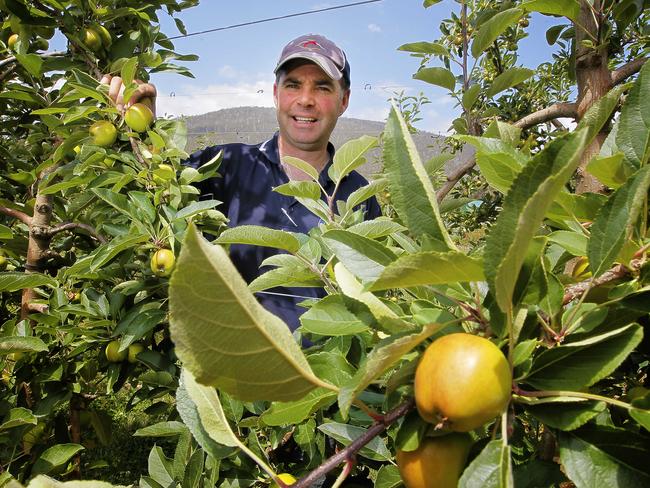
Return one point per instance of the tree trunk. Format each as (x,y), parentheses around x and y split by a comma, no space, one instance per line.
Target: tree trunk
(594,80)
(39,243)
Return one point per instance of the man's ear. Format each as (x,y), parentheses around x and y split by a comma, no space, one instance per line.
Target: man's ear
(345,102)
(275,95)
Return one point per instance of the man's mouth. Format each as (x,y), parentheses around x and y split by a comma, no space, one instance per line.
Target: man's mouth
(304,120)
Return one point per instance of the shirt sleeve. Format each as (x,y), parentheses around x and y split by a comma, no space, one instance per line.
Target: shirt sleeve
(211,187)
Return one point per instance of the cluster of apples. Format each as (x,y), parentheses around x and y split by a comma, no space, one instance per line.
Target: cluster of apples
(461,382)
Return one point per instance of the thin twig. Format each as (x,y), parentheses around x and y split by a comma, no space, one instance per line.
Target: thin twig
(347,453)
(76,225)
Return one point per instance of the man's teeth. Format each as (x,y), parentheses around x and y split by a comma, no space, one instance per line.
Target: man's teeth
(305,119)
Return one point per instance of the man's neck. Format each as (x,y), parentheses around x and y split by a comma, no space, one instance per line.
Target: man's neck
(318,159)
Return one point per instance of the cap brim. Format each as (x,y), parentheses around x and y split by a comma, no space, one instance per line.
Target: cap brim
(326,64)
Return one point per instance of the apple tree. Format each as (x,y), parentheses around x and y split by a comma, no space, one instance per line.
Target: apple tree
(89,196)
(577,410)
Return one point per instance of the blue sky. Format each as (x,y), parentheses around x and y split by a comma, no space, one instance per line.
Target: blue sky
(235,66)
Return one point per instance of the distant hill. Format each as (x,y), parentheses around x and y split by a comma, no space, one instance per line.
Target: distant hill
(251,125)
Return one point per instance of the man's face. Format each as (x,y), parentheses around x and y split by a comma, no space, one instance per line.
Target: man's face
(308,105)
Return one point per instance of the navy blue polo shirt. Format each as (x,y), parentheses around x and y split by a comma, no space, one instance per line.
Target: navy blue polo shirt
(248,175)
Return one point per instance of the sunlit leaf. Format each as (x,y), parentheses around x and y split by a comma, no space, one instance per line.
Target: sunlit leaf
(224,337)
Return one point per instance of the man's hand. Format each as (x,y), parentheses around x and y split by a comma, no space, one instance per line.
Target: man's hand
(145,93)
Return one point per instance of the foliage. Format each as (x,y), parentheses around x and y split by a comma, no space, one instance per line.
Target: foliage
(231,396)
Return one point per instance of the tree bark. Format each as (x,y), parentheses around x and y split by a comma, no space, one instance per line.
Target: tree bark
(39,242)
(594,80)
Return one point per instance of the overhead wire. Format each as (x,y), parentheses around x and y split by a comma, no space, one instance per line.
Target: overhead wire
(270,19)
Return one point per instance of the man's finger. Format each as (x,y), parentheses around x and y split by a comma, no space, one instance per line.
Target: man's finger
(115,91)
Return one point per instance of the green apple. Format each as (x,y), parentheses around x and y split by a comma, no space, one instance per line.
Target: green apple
(138,117)
(135,349)
(113,353)
(92,39)
(162,262)
(103,133)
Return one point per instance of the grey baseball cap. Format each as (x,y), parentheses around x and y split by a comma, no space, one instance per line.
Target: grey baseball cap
(320,50)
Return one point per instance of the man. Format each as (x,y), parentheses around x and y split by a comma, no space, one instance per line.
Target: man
(311,91)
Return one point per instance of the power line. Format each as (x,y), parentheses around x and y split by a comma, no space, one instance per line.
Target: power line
(274,18)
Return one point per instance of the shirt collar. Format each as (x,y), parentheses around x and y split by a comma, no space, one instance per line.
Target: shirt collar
(271,151)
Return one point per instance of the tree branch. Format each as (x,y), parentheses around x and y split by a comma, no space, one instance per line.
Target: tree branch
(453,178)
(563,109)
(624,72)
(347,453)
(76,225)
(16,214)
(619,271)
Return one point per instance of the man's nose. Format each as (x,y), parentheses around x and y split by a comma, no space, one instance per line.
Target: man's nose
(306,97)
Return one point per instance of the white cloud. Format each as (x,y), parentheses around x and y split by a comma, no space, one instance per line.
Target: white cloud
(374,28)
(227,71)
(196,100)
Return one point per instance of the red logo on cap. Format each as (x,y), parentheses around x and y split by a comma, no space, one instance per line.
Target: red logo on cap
(310,43)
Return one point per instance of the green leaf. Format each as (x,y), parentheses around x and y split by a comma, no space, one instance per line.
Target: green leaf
(490,469)
(15,280)
(33,63)
(210,411)
(471,95)
(429,3)
(388,477)
(376,228)
(170,428)
(615,221)
(364,257)
(6,233)
(302,165)
(257,235)
(412,193)
(335,315)
(106,252)
(195,208)
(292,413)
(365,192)
(600,112)
(190,416)
(9,344)
(499,162)
(424,47)
(493,28)
(54,457)
(302,189)
(128,72)
(213,419)
(437,76)
(563,8)
(611,171)
(580,364)
(509,78)
(344,433)
(567,415)
(160,467)
(572,242)
(633,136)
(351,287)
(387,353)
(18,417)
(429,268)
(224,337)
(587,464)
(524,208)
(350,156)
(298,276)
